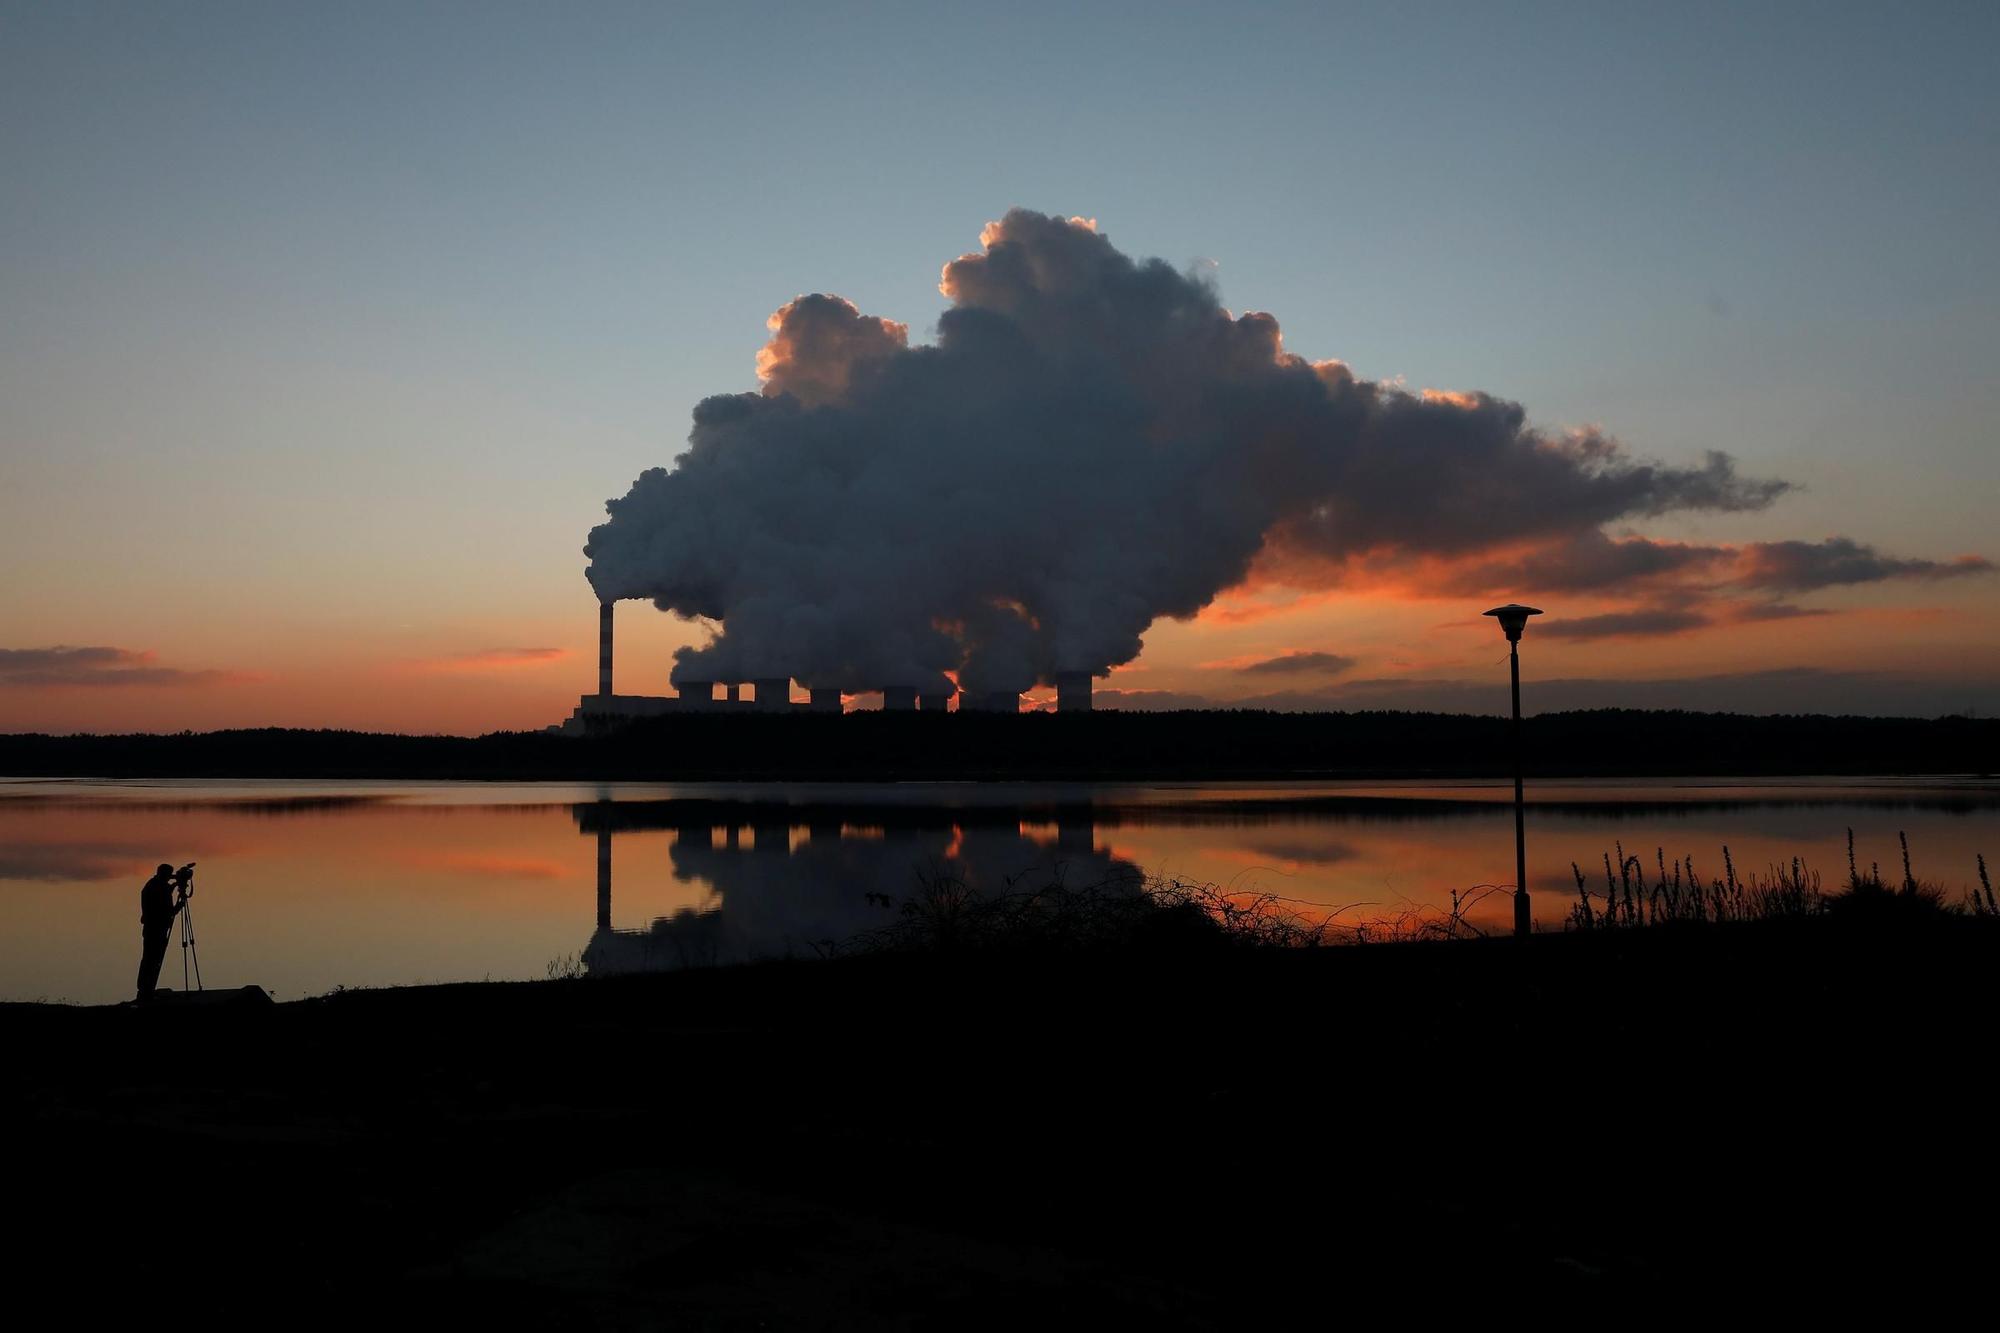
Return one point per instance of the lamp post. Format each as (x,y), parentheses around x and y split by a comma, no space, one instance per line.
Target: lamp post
(1513,618)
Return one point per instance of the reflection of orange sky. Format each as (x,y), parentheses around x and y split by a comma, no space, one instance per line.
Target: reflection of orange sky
(492,866)
(371,896)
(383,893)
(1381,870)
(378,895)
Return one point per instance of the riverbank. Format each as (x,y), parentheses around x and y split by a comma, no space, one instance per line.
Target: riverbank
(1184,1137)
(1102,746)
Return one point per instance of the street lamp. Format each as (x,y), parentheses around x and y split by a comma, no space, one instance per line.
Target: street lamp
(1513,618)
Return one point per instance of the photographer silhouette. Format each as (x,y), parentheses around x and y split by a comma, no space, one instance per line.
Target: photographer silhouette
(160,901)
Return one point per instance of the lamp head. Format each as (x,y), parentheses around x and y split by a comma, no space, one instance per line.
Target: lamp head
(1513,618)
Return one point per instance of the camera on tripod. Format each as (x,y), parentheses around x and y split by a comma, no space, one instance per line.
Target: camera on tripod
(184,890)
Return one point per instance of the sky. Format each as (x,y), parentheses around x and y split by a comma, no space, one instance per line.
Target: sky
(330,329)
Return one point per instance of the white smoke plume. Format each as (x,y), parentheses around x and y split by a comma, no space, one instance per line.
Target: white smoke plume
(1092,443)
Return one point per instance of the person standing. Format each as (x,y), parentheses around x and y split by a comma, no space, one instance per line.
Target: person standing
(158,906)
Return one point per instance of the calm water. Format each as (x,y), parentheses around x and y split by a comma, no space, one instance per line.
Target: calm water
(303,887)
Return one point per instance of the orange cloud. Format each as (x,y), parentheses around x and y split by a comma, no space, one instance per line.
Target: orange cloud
(1254,600)
(1908,615)
(494,659)
(1616,588)
(1593,562)
(818,343)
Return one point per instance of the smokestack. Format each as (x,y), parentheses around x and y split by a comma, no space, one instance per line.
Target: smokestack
(604,648)
(1072,691)
(993,701)
(774,693)
(899,698)
(1076,830)
(771,836)
(825,699)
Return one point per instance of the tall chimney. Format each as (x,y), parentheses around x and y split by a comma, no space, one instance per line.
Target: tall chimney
(604,648)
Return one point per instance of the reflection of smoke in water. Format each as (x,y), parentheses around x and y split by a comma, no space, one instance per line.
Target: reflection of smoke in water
(776,895)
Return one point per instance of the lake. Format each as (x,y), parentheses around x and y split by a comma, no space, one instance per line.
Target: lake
(302,887)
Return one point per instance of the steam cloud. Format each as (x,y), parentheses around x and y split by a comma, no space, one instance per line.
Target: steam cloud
(1299,664)
(1092,443)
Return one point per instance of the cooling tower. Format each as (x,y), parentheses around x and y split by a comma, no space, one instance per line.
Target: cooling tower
(771,836)
(933,703)
(899,698)
(1072,691)
(1076,831)
(993,701)
(825,699)
(696,693)
(773,692)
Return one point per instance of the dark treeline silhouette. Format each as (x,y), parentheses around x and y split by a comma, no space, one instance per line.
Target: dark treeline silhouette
(1101,745)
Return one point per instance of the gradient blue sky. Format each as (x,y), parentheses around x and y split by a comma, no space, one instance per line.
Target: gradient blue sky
(330,328)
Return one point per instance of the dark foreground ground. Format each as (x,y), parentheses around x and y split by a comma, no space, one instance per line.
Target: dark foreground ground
(1753,1122)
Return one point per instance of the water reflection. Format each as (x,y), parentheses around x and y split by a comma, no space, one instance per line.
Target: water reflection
(309,886)
(787,881)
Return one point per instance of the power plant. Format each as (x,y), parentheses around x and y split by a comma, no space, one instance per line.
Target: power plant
(1091,444)
(607,709)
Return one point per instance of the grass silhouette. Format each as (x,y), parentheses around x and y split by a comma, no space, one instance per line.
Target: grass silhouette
(946,914)
(1676,894)
(1135,912)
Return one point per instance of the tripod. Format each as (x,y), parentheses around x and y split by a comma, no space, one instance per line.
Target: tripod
(188,952)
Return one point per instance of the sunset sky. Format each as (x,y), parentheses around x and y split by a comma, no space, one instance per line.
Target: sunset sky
(328,330)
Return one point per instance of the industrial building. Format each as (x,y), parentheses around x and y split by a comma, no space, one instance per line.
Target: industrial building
(607,709)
